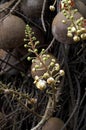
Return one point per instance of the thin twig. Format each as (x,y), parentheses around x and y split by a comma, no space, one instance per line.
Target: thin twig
(48,113)
(76,106)
(83,116)
(16,4)
(42,15)
(50,45)
(28,109)
(78,98)
(83,98)
(6,5)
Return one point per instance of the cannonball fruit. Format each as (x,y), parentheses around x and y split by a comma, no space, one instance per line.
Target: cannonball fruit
(12,32)
(53,124)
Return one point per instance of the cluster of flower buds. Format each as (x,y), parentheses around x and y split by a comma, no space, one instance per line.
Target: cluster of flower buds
(77,28)
(46,72)
(78,31)
(31,41)
(66,4)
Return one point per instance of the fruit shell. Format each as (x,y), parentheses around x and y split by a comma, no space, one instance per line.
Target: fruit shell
(12,32)
(53,124)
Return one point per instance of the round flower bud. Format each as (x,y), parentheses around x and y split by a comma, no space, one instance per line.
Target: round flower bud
(44,58)
(83,30)
(36,78)
(76,38)
(71,17)
(46,75)
(33,61)
(25,45)
(61,72)
(57,66)
(52,64)
(83,36)
(50,80)
(48,56)
(73,29)
(69,28)
(69,34)
(41,84)
(82,18)
(78,31)
(69,1)
(52,8)
(28,58)
(53,60)
(33,70)
(75,10)
(67,17)
(36,50)
(64,21)
(36,66)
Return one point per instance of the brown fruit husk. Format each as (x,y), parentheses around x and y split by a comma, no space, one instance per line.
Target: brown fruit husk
(12,32)
(53,124)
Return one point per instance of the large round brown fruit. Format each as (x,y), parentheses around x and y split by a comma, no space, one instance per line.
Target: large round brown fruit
(53,124)
(32,8)
(12,32)
(59,29)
